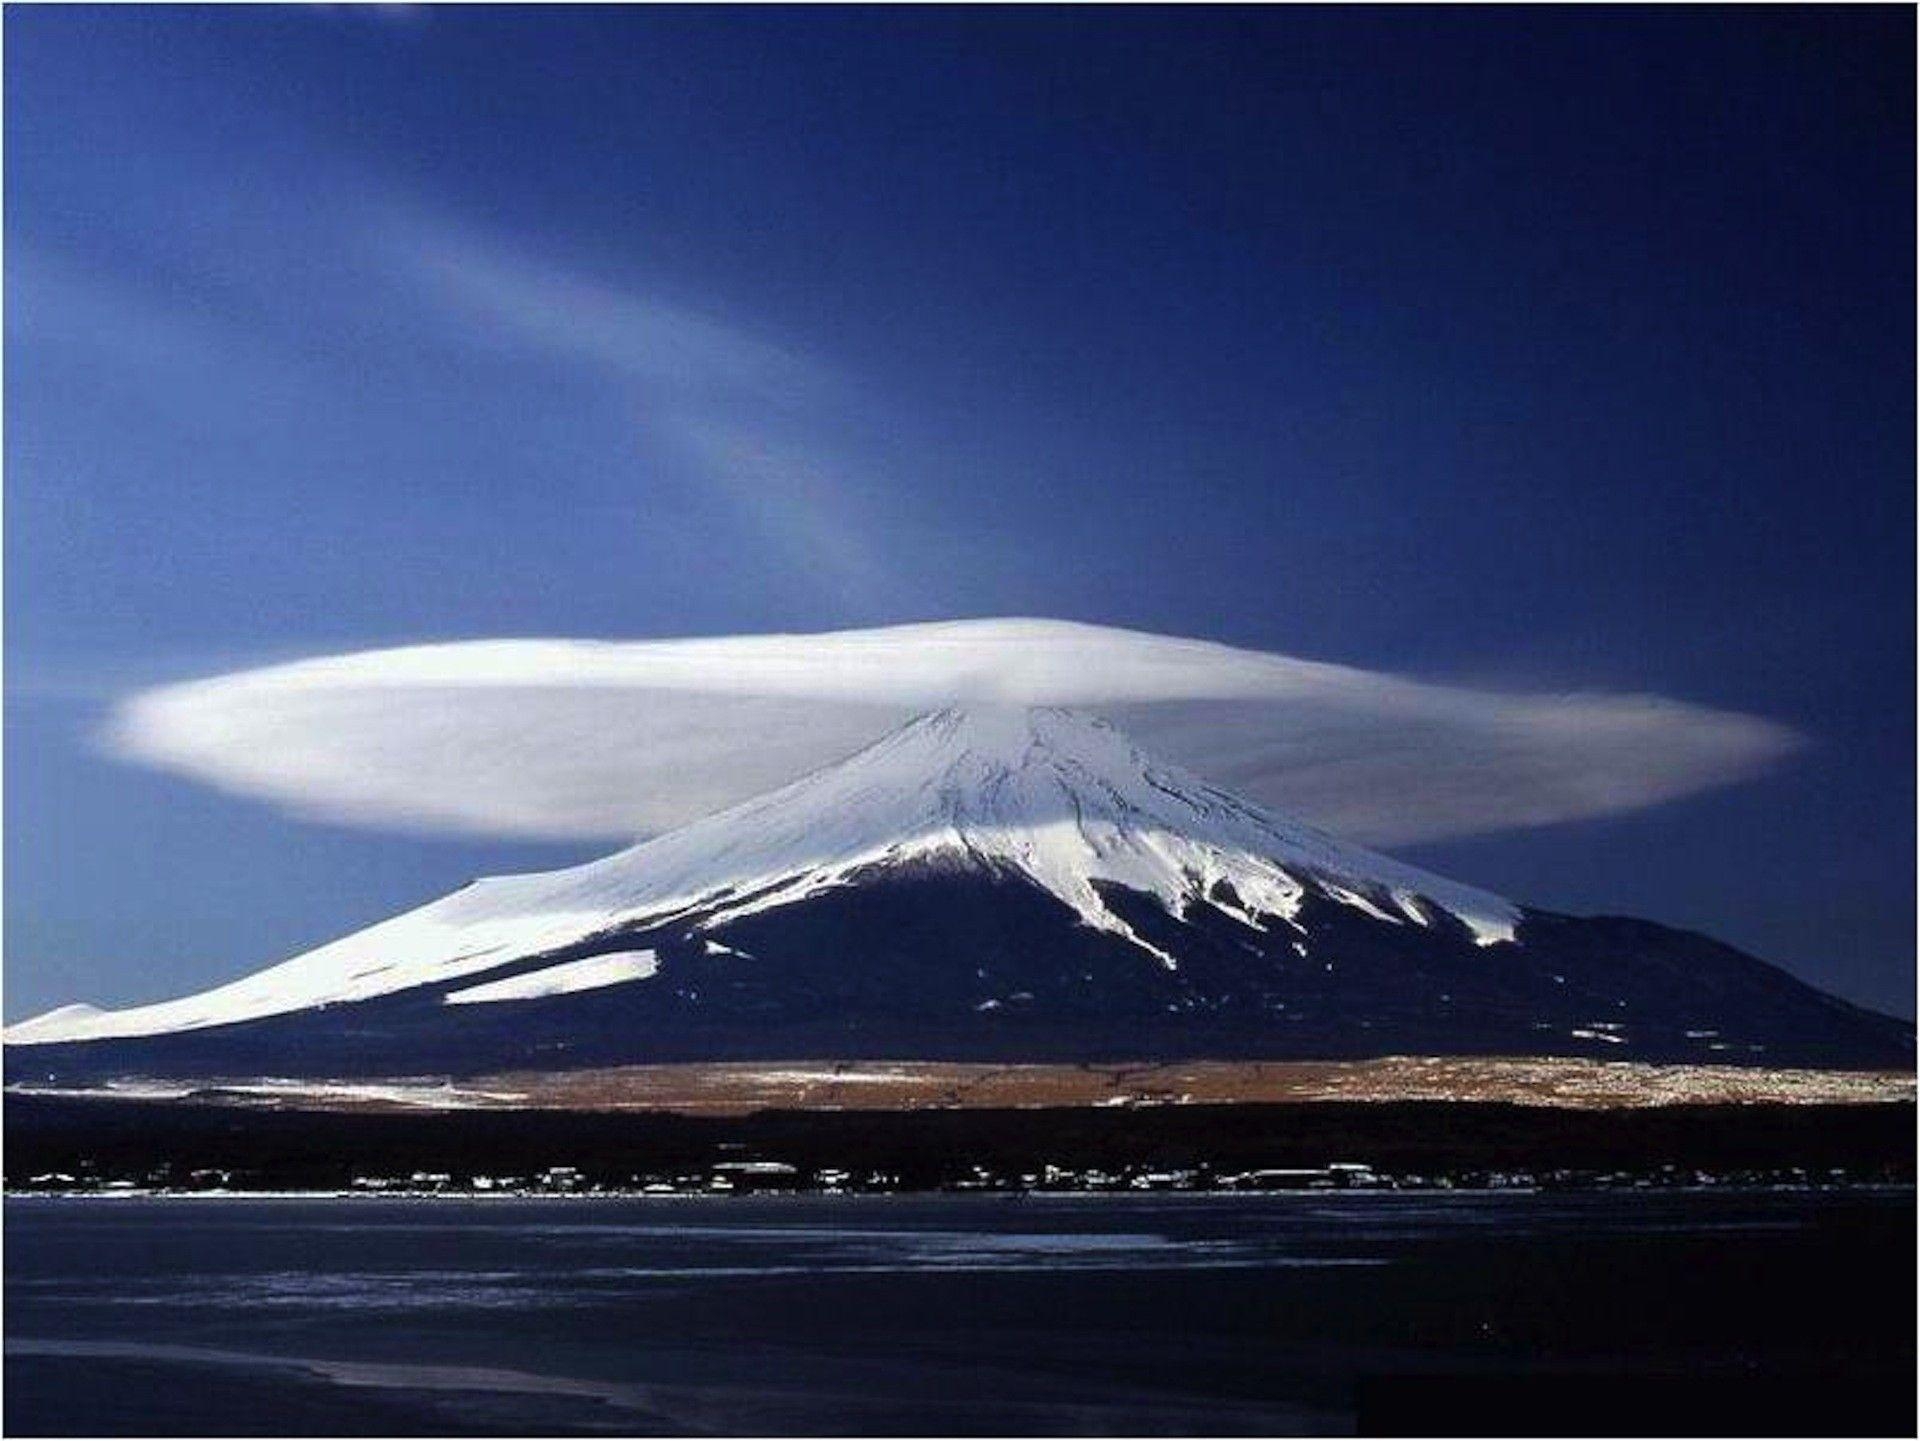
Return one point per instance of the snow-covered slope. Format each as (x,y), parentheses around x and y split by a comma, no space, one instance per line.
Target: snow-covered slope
(1067,802)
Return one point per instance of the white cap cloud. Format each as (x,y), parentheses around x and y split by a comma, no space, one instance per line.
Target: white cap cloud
(613,740)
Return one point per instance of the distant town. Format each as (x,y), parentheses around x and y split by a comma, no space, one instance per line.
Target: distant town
(99,1145)
(780,1177)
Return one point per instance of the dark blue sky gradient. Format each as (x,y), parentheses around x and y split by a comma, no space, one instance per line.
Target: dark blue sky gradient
(1526,348)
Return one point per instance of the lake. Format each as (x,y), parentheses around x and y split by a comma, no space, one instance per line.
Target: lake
(951,1314)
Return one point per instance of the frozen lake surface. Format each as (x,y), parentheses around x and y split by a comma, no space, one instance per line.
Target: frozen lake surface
(953,1314)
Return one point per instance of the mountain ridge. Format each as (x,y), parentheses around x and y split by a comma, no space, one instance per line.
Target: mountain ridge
(997,881)
(996,785)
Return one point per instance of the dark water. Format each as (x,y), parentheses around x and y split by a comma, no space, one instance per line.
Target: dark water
(957,1314)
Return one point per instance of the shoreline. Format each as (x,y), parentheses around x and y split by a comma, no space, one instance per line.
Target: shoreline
(738,1088)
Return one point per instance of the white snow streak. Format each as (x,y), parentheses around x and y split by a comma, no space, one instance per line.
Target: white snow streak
(584,975)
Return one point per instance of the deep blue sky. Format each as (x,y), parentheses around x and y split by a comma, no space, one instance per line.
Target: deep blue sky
(1541,349)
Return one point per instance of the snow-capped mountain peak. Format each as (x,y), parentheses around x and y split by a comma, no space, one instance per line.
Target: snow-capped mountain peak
(1068,801)
(1062,800)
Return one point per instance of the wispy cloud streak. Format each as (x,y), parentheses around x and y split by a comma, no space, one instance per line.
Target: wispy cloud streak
(680,350)
(748,413)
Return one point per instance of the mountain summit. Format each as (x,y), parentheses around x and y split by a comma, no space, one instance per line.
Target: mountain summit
(982,884)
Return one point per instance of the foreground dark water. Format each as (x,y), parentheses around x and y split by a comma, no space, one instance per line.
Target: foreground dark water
(1324,1312)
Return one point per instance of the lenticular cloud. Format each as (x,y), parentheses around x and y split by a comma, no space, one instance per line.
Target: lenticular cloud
(590,739)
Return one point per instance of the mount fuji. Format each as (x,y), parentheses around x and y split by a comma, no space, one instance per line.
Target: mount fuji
(987,884)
